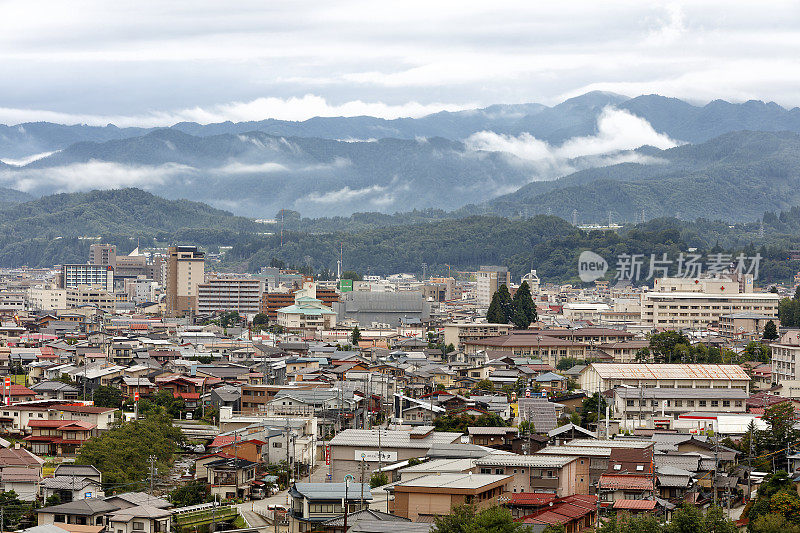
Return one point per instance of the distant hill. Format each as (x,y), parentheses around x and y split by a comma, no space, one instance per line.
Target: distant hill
(12,196)
(122,211)
(259,174)
(735,177)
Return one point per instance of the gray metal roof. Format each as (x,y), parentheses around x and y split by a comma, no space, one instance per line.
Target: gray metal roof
(374,526)
(330,491)
(86,507)
(532,461)
(392,438)
(454,481)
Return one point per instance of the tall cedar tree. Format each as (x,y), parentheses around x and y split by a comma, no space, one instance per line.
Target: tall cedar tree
(524,308)
(770,331)
(501,309)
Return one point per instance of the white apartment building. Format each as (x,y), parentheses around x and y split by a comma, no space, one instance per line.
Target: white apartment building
(678,303)
(101,276)
(786,357)
(489,280)
(46,299)
(642,407)
(230,294)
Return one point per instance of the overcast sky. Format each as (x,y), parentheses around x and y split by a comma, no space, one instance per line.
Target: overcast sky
(158,62)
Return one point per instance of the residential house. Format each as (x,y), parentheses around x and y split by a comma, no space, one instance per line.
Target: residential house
(313,504)
(429,496)
(230,478)
(559,475)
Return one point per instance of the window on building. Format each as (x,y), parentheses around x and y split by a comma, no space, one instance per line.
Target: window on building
(138,526)
(701,403)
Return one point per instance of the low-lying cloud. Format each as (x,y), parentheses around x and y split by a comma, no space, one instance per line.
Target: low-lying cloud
(617,132)
(22,161)
(293,108)
(91,175)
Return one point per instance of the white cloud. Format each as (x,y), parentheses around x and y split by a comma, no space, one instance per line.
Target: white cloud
(345,194)
(294,108)
(236,167)
(22,161)
(154,62)
(91,175)
(617,131)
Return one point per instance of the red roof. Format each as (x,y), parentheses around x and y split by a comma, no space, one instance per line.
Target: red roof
(635,505)
(90,409)
(562,510)
(20,390)
(626,481)
(531,498)
(224,440)
(33,423)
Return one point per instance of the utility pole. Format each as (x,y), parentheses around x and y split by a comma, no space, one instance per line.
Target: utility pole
(288,471)
(362,482)
(152,472)
(716,466)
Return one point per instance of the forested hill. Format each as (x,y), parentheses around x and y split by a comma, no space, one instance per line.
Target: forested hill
(735,177)
(60,228)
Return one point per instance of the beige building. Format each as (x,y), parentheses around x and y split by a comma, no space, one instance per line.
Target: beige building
(744,325)
(605,376)
(551,474)
(382,447)
(46,299)
(489,279)
(458,334)
(230,294)
(786,357)
(435,495)
(676,303)
(94,297)
(185,271)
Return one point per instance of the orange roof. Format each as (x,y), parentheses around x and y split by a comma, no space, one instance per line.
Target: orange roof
(626,481)
(531,498)
(635,505)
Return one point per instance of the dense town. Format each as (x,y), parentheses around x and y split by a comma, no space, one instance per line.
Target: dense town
(150,392)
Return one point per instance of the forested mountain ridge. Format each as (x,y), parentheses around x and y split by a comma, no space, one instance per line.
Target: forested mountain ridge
(736,177)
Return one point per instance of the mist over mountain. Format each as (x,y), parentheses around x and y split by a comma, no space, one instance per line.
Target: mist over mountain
(735,177)
(332,166)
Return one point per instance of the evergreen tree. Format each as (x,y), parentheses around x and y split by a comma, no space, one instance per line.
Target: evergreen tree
(355,336)
(523,302)
(495,314)
(770,331)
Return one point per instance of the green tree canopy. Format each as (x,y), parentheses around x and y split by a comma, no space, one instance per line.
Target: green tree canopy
(770,331)
(107,396)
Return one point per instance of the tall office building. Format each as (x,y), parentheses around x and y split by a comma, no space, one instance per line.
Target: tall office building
(242,295)
(489,280)
(103,254)
(185,271)
(97,276)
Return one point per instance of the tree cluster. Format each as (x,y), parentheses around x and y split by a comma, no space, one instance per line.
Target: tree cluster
(519,310)
(122,453)
(460,423)
(789,310)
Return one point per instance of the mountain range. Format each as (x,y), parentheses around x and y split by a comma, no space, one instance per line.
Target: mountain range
(732,160)
(735,177)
